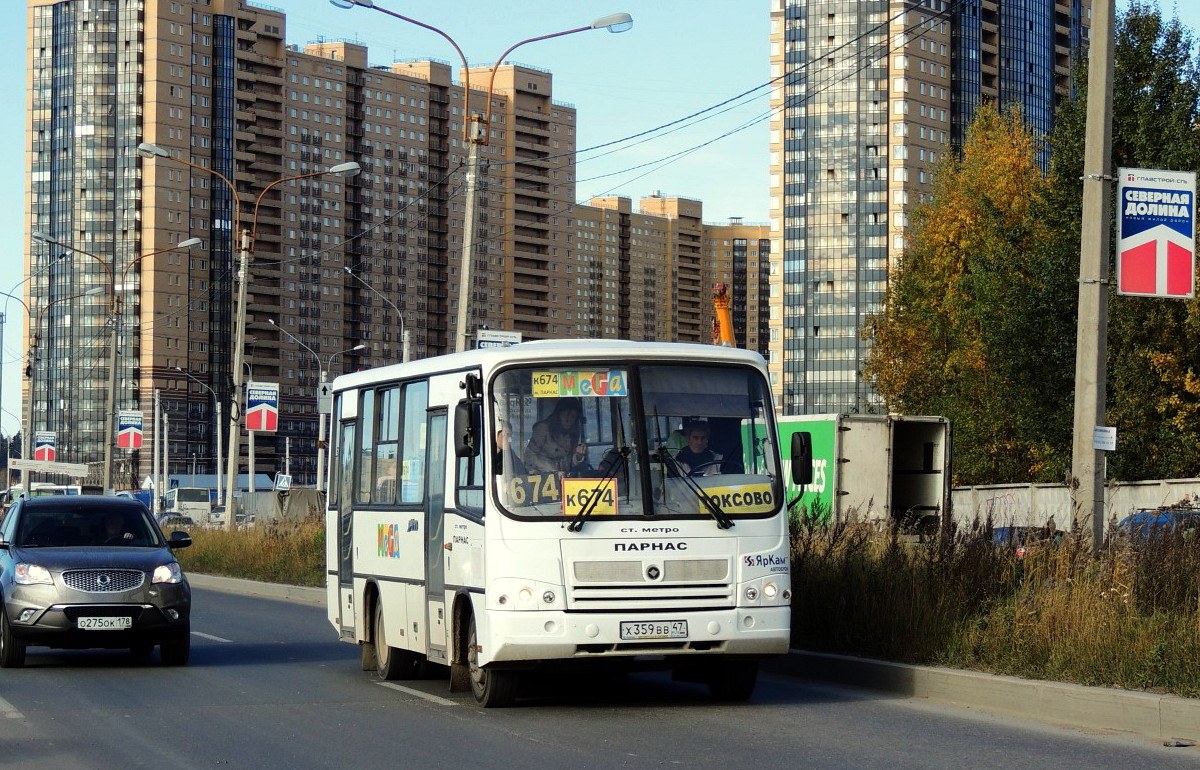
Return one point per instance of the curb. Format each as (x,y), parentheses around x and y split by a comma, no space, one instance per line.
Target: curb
(297,594)
(1099,708)
(1102,708)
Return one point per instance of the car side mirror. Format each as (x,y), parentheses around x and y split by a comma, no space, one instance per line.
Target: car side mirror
(179,540)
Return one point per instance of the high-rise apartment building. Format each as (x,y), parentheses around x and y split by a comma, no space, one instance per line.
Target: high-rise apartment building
(336,262)
(738,255)
(869,95)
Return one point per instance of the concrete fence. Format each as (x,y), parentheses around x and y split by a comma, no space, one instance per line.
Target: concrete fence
(1033,505)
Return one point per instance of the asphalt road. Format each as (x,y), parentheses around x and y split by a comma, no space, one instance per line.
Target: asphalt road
(270,686)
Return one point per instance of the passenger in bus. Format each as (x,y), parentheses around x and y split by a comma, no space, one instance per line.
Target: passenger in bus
(555,444)
(696,459)
(509,462)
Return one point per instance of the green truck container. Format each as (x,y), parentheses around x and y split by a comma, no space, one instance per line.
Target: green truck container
(875,468)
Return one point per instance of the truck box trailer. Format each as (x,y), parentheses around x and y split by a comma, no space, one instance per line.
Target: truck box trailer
(875,468)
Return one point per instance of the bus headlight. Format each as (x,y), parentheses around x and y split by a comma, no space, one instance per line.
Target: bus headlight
(770,591)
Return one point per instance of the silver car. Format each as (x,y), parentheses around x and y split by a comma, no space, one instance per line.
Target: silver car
(91,571)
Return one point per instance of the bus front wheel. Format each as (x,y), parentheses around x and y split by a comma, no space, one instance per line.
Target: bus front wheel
(491,688)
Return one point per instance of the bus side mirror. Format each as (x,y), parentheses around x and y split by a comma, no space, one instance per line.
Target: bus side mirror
(802,458)
(466,428)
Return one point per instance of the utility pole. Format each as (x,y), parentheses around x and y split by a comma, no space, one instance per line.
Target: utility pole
(1091,333)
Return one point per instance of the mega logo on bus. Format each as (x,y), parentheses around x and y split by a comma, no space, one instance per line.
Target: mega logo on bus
(614,382)
(388,541)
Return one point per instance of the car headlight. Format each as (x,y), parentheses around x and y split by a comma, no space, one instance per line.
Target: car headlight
(32,574)
(167,573)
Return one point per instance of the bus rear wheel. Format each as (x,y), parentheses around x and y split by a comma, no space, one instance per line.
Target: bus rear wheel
(733,680)
(391,663)
(491,688)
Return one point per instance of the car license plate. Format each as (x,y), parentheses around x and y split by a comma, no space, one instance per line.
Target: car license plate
(104,624)
(654,629)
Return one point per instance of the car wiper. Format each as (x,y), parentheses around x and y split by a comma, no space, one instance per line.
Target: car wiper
(616,460)
(706,500)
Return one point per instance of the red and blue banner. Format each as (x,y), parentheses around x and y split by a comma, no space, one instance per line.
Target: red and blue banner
(1156,247)
(43,445)
(262,406)
(129,429)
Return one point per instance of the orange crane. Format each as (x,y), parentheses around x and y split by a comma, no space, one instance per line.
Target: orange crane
(722,331)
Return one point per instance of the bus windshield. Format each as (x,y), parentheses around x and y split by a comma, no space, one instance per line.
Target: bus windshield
(638,440)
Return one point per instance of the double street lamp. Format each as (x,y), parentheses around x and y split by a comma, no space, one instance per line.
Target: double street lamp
(475,132)
(324,370)
(117,312)
(246,250)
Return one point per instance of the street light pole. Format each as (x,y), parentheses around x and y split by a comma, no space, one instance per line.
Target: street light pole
(216,424)
(116,310)
(246,247)
(324,374)
(475,132)
(405,354)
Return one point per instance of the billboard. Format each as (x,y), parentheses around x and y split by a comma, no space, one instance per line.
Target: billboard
(262,406)
(129,429)
(43,445)
(1156,219)
(496,338)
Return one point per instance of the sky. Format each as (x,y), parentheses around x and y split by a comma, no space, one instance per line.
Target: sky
(680,57)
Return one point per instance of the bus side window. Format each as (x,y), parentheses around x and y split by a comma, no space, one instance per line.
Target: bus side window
(412,442)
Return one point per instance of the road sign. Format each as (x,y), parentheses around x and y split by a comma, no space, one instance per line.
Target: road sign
(1156,250)
(43,445)
(283,482)
(495,338)
(45,466)
(324,398)
(262,406)
(129,429)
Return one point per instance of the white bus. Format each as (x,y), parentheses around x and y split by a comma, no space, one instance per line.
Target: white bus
(439,550)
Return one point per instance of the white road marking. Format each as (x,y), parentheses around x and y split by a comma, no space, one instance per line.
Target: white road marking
(433,698)
(210,637)
(9,711)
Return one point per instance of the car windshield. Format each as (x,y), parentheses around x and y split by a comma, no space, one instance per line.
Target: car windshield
(76,523)
(686,440)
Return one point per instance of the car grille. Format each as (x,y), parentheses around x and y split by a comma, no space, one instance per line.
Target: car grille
(103,581)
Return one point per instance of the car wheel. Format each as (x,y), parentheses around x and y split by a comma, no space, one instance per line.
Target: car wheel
(491,688)
(12,649)
(176,652)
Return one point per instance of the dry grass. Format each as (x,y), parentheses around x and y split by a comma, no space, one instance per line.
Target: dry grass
(283,552)
(1126,619)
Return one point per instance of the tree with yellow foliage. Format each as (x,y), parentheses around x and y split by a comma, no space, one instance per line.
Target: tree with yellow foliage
(954,337)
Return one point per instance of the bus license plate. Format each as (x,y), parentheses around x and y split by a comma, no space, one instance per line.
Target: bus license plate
(654,629)
(104,624)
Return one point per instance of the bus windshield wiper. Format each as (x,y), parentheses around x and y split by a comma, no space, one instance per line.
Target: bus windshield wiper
(616,460)
(706,500)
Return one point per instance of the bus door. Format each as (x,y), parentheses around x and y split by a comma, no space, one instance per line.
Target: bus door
(435,546)
(345,531)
